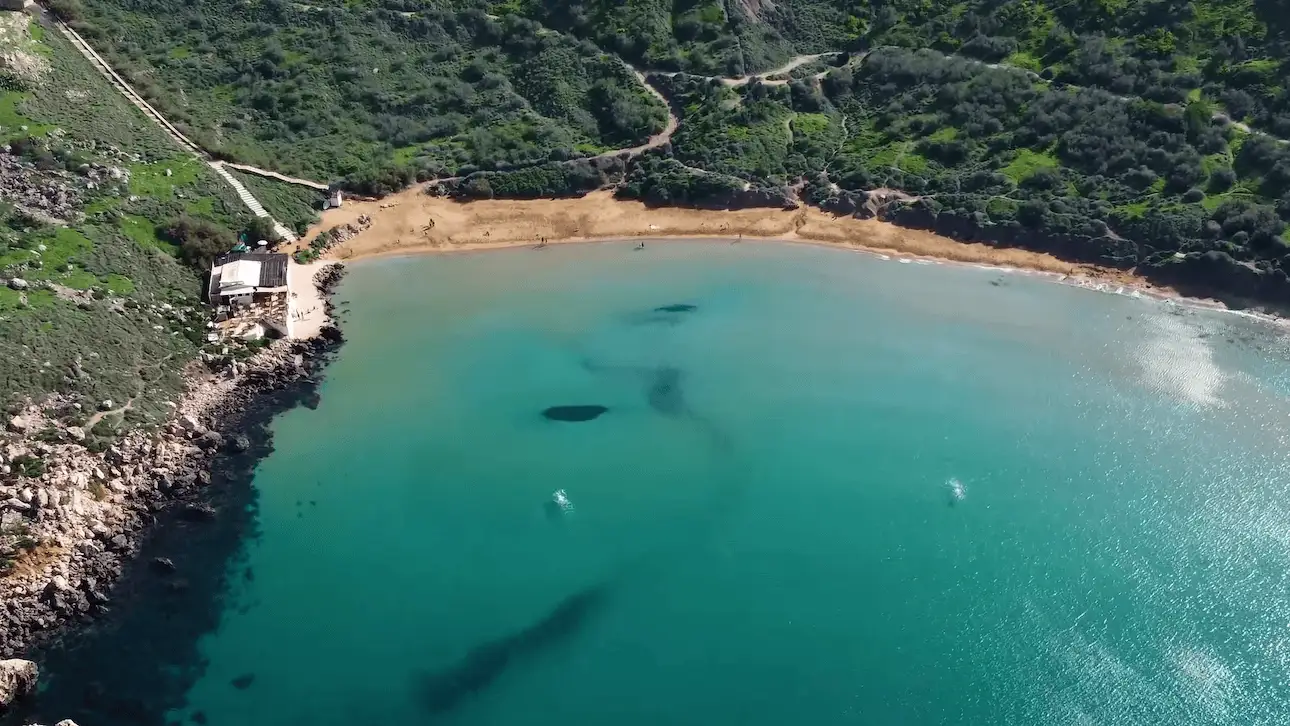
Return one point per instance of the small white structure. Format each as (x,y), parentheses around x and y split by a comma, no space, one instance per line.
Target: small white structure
(334,200)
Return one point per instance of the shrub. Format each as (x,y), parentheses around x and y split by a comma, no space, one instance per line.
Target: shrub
(29,466)
(199,241)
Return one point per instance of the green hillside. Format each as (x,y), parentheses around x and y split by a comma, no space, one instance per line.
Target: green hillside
(106,309)
(1123,132)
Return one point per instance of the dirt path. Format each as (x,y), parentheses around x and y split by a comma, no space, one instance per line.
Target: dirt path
(99,416)
(763,77)
(657,140)
(275,175)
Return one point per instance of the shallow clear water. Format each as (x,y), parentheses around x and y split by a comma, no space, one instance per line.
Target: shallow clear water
(763,519)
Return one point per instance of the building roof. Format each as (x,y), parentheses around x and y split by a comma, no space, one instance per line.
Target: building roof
(240,273)
(260,270)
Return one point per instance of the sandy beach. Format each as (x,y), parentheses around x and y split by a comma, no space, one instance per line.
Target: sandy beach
(414,222)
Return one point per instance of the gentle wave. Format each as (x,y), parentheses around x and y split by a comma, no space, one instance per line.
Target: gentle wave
(1177,360)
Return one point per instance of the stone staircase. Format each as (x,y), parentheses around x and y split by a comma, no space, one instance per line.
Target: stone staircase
(250,201)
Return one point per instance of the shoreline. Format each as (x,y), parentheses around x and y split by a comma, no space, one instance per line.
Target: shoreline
(412,221)
(397,225)
(94,515)
(1134,286)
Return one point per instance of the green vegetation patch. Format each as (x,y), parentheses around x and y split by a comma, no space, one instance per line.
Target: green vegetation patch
(119,284)
(77,280)
(161,178)
(1026,162)
(10,299)
(13,123)
(371,93)
(912,163)
(810,123)
(1022,59)
(948,133)
(144,233)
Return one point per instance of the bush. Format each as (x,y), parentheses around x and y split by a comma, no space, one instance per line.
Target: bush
(261,228)
(68,11)
(199,240)
(1221,179)
(29,466)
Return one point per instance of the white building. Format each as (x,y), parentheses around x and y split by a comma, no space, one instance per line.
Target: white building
(240,279)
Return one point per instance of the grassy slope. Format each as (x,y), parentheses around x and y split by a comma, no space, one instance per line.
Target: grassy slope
(121,345)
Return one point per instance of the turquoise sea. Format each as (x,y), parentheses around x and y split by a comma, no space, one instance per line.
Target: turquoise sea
(764,526)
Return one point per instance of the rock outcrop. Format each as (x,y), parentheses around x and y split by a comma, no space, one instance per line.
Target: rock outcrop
(71,516)
(17,680)
(1217,274)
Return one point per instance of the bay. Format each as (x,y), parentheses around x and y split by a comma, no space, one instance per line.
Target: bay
(763,523)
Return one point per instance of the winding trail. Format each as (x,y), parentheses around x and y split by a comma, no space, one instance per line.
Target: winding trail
(662,137)
(764,77)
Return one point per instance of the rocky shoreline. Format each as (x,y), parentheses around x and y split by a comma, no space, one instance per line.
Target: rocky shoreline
(80,515)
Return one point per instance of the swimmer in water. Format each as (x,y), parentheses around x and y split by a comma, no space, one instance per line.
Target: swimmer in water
(558,504)
(957,491)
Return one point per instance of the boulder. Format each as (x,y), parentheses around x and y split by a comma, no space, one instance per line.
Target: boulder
(76,433)
(64,599)
(18,283)
(198,513)
(17,680)
(239,443)
(18,424)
